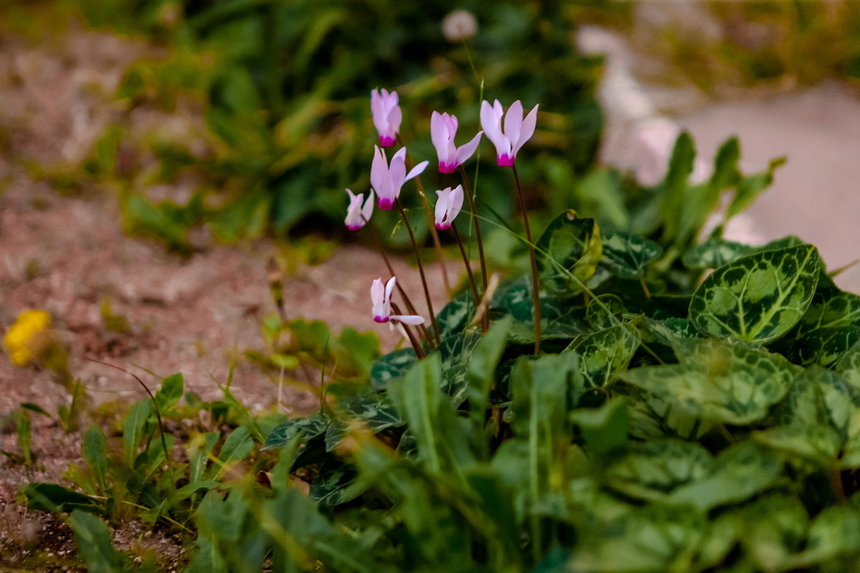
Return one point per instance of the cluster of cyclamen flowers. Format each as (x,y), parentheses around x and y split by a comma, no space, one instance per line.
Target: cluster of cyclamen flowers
(508,133)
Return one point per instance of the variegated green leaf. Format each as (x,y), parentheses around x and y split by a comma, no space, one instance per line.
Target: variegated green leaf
(605,311)
(604,353)
(626,255)
(568,246)
(774,528)
(651,538)
(737,474)
(651,470)
(849,366)
(816,444)
(835,532)
(311,426)
(824,346)
(370,413)
(338,484)
(716,252)
(757,298)
(836,311)
(456,352)
(391,366)
(455,315)
(719,381)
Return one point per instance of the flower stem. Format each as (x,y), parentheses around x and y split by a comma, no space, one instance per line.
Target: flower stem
(428,212)
(532,260)
(484,323)
(420,268)
(409,306)
(468,192)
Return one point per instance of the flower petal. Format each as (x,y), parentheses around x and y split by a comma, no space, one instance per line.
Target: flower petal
(408,318)
(464,152)
(417,170)
(514,122)
(527,130)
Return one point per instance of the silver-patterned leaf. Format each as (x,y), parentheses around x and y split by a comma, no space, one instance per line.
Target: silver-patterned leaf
(757,298)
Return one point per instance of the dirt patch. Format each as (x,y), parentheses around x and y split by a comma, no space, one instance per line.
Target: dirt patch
(68,255)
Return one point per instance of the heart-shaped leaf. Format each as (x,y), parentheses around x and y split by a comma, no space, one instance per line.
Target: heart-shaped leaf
(757,298)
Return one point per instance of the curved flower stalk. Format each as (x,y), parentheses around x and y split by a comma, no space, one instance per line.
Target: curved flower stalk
(448,206)
(387,179)
(516,132)
(387,116)
(443,129)
(358,214)
(381,297)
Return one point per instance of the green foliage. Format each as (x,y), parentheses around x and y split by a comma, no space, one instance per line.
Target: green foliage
(284,87)
(671,424)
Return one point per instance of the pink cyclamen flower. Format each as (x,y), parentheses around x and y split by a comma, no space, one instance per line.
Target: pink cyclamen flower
(357,214)
(448,206)
(443,129)
(387,179)
(381,297)
(515,133)
(386,116)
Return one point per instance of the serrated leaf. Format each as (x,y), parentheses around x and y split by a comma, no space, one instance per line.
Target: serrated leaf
(757,298)
(568,253)
(391,366)
(604,353)
(729,383)
(651,470)
(737,474)
(626,255)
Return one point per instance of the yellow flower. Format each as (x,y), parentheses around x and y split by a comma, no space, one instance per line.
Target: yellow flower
(25,340)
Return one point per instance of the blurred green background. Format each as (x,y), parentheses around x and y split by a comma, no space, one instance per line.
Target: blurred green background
(283,87)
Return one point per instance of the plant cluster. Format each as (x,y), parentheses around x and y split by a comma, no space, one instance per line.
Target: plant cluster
(647,399)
